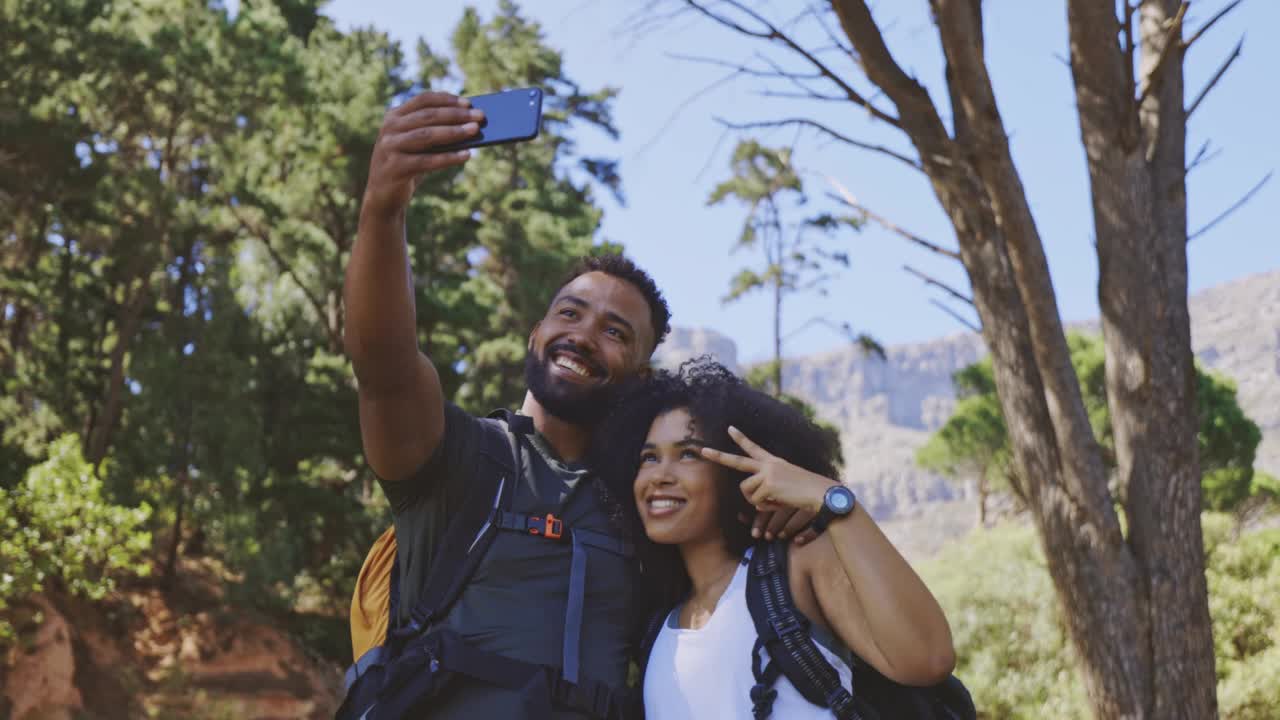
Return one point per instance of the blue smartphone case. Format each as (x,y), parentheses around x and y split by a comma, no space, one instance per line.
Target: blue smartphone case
(510,116)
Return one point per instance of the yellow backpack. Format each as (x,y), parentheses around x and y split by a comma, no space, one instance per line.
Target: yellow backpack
(371,602)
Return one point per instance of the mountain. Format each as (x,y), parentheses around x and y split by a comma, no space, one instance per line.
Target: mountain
(886,409)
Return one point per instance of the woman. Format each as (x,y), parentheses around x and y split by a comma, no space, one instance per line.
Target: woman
(701,452)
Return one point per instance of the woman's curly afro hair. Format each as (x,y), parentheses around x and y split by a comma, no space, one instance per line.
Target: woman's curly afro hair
(715,398)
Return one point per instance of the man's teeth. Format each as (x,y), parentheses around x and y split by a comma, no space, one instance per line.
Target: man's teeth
(664,503)
(572,366)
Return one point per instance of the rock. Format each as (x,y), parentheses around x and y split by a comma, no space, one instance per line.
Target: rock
(41,685)
(1235,330)
(685,343)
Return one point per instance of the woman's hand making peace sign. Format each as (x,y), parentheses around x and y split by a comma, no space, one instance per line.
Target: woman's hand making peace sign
(774,483)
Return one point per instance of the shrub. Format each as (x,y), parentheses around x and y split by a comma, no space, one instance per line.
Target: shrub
(1013,652)
(58,526)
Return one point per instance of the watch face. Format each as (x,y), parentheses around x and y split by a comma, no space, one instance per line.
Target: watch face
(840,500)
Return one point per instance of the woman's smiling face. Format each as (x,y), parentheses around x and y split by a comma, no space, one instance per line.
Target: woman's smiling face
(675,487)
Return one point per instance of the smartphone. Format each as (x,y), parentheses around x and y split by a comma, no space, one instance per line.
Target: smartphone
(509,116)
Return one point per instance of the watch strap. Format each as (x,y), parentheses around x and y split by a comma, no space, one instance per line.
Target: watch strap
(827,514)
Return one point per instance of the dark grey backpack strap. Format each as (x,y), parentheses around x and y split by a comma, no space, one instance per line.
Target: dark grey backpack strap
(784,631)
(470,531)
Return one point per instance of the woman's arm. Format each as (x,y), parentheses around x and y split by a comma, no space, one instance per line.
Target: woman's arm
(865,589)
(875,603)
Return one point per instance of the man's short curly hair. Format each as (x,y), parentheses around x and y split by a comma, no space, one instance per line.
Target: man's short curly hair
(623,268)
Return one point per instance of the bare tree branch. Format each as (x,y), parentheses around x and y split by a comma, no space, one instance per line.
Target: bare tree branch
(1202,157)
(811,95)
(675,114)
(645,20)
(955,315)
(283,264)
(930,280)
(823,129)
(1212,21)
(1199,156)
(1171,43)
(866,343)
(794,80)
(711,156)
(848,199)
(743,69)
(1234,207)
(835,40)
(774,34)
(775,71)
(1222,70)
(920,119)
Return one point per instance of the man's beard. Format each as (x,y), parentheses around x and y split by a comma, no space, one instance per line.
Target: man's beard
(571,403)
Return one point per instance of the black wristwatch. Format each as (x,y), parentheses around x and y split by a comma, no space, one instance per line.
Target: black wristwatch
(838,502)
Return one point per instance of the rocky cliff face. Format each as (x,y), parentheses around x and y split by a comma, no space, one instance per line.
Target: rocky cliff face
(886,409)
(1235,330)
(684,343)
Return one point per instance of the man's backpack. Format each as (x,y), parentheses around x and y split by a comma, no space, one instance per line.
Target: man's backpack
(416,660)
(784,632)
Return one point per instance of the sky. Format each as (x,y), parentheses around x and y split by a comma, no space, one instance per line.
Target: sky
(673,152)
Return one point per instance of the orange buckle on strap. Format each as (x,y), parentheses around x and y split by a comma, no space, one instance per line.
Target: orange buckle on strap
(552,527)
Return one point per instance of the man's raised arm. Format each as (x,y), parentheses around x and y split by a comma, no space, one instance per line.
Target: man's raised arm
(401,403)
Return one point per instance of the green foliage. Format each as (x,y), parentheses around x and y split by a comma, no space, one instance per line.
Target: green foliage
(974,440)
(1228,441)
(179,194)
(1265,485)
(1013,651)
(1244,602)
(57,526)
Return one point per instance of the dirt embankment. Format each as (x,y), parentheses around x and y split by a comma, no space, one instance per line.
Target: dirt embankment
(145,653)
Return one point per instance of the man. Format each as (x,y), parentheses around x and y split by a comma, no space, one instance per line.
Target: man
(599,330)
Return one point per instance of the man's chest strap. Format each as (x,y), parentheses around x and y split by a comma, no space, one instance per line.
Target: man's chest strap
(552,528)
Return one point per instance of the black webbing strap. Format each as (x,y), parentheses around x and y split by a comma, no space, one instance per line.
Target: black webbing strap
(582,539)
(784,632)
(434,659)
(762,693)
(371,657)
(548,526)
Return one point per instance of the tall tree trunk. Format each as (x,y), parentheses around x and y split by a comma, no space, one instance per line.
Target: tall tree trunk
(67,303)
(983,492)
(128,322)
(1100,580)
(31,247)
(170,570)
(1136,159)
(1135,607)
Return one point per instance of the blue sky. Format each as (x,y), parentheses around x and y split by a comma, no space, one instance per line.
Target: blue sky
(672,155)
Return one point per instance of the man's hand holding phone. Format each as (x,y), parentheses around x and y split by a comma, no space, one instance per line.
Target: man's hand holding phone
(407,146)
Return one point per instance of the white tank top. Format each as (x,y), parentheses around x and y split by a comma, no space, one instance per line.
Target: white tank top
(706,673)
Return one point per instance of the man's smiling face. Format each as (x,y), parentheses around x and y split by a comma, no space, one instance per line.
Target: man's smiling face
(596,334)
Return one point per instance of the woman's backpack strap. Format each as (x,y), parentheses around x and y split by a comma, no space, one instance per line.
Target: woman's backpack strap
(784,632)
